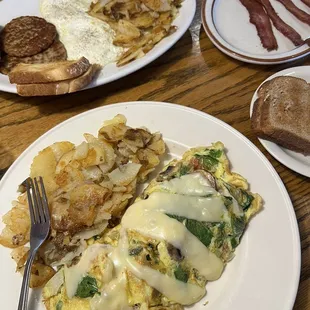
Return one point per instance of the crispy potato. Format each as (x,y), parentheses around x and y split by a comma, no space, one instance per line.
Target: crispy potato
(125,32)
(83,202)
(143,20)
(17,229)
(40,274)
(138,24)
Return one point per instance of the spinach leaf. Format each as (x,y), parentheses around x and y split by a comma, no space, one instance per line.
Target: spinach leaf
(184,170)
(215,153)
(238,225)
(135,251)
(181,274)
(227,201)
(198,229)
(59,305)
(87,287)
(208,162)
(243,198)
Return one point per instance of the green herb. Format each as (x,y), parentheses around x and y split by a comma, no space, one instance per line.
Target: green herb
(59,305)
(215,153)
(227,201)
(181,274)
(218,230)
(198,229)
(184,170)
(234,243)
(135,251)
(96,237)
(243,198)
(87,287)
(238,225)
(208,162)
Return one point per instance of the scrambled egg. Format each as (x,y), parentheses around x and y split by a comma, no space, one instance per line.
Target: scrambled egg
(221,238)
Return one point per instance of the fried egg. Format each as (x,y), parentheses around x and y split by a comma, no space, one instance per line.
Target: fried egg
(81,34)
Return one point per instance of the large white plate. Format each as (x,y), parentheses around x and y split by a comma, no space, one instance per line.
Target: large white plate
(290,159)
(14,8)
(227,24)
(265,272)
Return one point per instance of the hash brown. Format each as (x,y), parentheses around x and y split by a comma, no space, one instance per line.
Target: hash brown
(27,36)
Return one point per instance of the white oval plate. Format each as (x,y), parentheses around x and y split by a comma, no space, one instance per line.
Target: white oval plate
(290,159)
(14,8)
(227,24)
(265,272)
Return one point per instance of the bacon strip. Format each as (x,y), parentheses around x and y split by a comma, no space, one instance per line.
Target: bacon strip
(283,27)
(307,2)
(260,19)
(300,14)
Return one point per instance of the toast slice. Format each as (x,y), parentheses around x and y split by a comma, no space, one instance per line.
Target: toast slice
(58,88)
(48,72)
(56,52)
(281,113)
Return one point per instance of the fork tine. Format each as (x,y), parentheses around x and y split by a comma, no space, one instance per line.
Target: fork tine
(32,215)
(45,203)
(35,203)
(39,202)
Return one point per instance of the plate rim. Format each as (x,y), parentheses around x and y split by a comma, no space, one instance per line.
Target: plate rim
(278,180)
(142,62)
(240,56)
(281,156)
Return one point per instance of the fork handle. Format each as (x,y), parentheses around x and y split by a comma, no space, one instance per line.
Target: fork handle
(23,298)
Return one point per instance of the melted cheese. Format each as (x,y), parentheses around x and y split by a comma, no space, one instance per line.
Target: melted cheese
(113,296)
(183,198)
(204,209)
(183,293)
(75,274)
(159,226)
(194,184)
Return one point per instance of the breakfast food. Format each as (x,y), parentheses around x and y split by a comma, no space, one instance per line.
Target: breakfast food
(280,25)
(307,2)
(27,36)
(55,78)
(262,12)
(56,52)
(88,187)
(297,12)
(82,34)
(281,113)
(29,40)
(49,72)
(260,19)
(138,24)
(60,87)
(178,235)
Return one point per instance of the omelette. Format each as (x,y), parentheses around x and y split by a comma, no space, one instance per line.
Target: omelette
(178,235)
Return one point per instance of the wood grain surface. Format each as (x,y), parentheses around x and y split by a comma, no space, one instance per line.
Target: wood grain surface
(200,77)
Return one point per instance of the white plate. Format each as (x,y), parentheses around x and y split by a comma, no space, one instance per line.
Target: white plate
(265,272)
(227,24)
(290,159)
(14,8)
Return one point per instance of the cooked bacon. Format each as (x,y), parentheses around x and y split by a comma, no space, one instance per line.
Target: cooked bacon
(260,19)
(307,2)
(300,14)
(283,27)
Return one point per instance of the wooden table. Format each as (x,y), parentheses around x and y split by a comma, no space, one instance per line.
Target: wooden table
(202,78)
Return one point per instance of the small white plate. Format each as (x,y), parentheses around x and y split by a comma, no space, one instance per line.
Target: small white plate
(264,275)
(14,8)
(290,159)
(227,24)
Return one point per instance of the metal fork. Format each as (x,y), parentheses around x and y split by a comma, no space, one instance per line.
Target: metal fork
(40,226)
